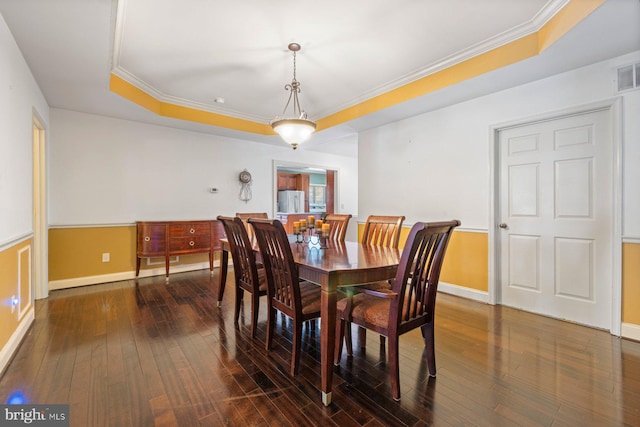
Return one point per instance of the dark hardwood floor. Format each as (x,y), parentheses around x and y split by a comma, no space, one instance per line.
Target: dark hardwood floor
(161,354)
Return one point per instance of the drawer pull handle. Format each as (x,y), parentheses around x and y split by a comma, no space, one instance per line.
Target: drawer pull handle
(147,239)
(192,231)
(191,243)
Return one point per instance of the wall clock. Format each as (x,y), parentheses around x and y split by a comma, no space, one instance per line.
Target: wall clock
(245,182)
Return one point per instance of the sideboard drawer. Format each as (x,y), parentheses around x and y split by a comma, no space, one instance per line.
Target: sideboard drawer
(189,243)
(190,229)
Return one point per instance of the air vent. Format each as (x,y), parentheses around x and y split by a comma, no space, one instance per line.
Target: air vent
(629,77)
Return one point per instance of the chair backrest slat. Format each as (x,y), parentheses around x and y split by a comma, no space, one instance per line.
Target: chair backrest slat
(339,223)
(244,216)
(242,254)
(416,281)
(280,267)
(382,230)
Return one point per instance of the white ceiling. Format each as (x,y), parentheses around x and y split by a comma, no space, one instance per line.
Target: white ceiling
(190,52)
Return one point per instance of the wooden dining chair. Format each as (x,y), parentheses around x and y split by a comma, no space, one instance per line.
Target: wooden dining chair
(339,224)
(300,300)
(244,216)
(382,230)
(379,230)
(411,301)
(248,276)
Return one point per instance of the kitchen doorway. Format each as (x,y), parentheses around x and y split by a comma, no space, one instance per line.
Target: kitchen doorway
(316,185)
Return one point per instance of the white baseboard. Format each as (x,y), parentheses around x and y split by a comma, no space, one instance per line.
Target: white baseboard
(16,338)
(631,331)
(125,275)
(461,291)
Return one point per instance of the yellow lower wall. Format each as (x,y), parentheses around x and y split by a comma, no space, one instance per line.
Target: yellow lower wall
(15,280)
(466,262)
(631,283)
(77,252)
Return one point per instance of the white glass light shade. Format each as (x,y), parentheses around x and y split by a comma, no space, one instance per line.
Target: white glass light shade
(294,131)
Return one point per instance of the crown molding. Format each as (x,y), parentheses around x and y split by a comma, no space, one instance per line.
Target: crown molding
(527,28)
(550,10)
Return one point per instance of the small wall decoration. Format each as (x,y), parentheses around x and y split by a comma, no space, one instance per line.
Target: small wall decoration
(245,182)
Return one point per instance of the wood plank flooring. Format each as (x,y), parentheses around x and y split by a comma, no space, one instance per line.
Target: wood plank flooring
(151,353)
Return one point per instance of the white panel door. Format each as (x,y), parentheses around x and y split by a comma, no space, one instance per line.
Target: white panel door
(556,214)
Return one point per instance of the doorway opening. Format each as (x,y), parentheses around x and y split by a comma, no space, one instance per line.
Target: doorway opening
(315,186)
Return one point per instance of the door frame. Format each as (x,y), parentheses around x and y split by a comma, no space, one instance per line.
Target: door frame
(615,107)
(40,264)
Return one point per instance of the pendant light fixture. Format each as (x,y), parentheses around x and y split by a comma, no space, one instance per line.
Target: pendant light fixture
(297,128)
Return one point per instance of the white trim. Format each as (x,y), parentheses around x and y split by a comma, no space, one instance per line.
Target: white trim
(549,10)
(616,238)
(14,341)
(23,311)
(615,106)
(125,275)
(511,35)
(461,291)
(14,241)
(124,224)
(470,230)
(40,267)
(494,289)
(631,239)
(174,100)
(631,331)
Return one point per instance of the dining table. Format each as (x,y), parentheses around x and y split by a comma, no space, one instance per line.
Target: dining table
(331,265)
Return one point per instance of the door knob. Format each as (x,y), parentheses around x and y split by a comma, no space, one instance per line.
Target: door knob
(503,225)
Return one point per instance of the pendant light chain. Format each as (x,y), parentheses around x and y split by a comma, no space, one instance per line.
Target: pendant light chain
(294,66)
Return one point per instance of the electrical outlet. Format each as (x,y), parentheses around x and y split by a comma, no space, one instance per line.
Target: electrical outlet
(14,303)
(106,257)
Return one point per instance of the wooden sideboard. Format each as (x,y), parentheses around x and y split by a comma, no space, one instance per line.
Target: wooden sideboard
(172,238)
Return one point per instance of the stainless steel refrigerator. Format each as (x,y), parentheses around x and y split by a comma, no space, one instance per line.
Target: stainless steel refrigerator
(290,201)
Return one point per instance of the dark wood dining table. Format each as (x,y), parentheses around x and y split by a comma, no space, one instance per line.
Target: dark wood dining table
(339,264)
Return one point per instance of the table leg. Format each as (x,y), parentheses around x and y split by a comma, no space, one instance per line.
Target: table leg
(224,263)
(327,342)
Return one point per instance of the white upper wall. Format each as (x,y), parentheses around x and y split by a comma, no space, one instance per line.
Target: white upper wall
(111,171)
(20,99)
(436,165)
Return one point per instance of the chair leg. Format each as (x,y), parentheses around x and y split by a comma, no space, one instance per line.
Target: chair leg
(255,304)
(338,344)
(429,343)
(347,338)
(295,348)
(383,340)
(271,321)
(239,297)
(362,337)
(394,369)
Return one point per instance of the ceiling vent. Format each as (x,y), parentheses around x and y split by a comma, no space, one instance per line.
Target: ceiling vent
(629,77)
